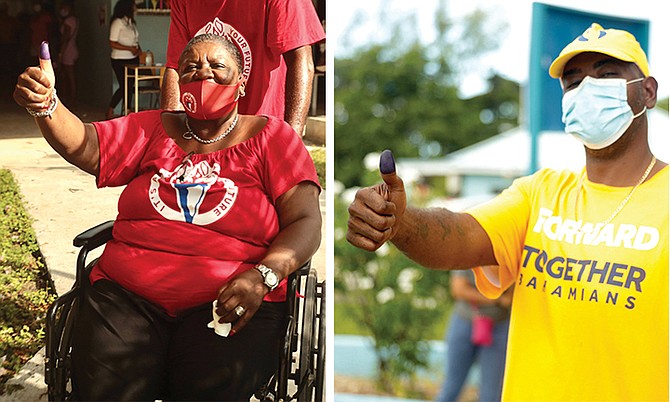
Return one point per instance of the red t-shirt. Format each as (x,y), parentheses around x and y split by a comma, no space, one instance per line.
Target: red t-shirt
(263,30)
(188,224)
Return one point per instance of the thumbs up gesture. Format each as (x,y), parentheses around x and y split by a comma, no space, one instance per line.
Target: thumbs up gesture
(376,211)
(35,88)
(45,63)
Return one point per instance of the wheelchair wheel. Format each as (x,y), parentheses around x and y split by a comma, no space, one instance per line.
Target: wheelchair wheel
(320,352)
(301,367)
(305,372)
(62,314)
(277,388)
(60,321)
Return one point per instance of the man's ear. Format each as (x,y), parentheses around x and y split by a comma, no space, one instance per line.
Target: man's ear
(650,91)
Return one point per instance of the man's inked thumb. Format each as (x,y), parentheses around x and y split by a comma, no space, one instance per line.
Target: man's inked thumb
(387,169)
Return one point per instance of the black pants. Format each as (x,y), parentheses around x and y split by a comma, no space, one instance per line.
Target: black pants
(125,348)
(119,72)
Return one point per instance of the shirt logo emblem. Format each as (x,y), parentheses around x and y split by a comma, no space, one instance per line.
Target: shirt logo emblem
(191,183)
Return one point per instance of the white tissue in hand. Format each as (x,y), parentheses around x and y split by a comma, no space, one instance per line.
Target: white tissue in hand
(220,329)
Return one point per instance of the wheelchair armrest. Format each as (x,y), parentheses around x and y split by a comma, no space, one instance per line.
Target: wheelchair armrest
(303,270)
(95,236)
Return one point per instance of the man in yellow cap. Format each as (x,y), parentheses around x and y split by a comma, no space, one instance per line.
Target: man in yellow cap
(588,251)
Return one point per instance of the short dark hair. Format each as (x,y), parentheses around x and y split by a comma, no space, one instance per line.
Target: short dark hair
(123,8)
(221,40)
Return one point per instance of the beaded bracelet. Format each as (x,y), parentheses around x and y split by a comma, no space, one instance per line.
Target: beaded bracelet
(48,111)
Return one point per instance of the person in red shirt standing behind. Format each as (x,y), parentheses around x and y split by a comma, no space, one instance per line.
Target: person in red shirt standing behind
(276,38)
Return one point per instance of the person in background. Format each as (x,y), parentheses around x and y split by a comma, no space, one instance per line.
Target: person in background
(276,38)
(69,53)
(9,29)
(124,39)
(477,332)
(43,27)
(586,251)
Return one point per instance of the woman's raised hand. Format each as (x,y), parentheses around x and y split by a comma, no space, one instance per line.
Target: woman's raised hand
(35,86)
(33,89)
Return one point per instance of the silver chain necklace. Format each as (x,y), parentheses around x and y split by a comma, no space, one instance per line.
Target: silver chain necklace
(625,200)
(189,134)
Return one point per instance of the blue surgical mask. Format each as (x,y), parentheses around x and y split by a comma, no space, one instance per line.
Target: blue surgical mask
(597,111)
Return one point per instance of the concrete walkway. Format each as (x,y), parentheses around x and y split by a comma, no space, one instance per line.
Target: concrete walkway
(63,202)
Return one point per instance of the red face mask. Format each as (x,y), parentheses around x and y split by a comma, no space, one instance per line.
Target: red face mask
(207,100)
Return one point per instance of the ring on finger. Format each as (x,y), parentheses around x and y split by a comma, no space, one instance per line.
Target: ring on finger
(239,310)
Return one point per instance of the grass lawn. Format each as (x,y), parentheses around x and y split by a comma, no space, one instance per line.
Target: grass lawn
(26,290)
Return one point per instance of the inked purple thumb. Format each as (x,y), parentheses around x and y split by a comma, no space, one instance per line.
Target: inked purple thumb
(392,182)
(44,51)
(45,63)
(386,162)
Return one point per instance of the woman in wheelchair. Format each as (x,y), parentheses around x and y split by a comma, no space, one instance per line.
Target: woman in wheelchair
(218,208)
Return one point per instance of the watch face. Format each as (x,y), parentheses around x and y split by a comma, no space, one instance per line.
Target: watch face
(271,279)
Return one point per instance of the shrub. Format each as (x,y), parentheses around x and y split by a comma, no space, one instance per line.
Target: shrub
(319,158)
(26,290)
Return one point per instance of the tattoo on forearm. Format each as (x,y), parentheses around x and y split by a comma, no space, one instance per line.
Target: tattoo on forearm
(422,229)
(440,223)
(446,229)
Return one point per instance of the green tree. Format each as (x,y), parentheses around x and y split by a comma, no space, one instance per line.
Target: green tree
(498,108)
(403,95)
(397,302)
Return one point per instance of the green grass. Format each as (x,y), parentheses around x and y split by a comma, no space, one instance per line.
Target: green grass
(25,288)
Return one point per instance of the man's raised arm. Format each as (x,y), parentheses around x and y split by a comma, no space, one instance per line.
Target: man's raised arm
(433,237)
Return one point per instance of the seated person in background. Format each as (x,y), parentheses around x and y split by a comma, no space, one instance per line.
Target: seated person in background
(216,206)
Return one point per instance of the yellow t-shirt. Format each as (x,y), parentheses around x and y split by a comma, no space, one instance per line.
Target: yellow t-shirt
(590,313)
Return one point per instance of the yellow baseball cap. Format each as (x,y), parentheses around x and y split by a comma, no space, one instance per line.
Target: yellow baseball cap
(613,42)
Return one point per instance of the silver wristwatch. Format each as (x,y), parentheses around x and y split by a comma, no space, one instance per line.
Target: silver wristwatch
(270,278)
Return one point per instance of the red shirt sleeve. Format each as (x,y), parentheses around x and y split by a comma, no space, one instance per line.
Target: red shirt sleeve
(123,143)
(287,161)
(292,24)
